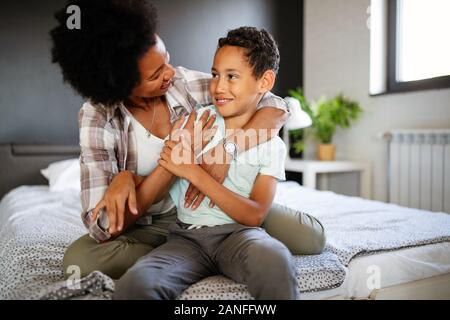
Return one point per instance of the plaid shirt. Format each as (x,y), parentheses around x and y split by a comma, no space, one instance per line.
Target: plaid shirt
(108,144)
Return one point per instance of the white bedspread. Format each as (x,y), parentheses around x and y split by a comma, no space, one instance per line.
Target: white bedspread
(36,226)
(355,226)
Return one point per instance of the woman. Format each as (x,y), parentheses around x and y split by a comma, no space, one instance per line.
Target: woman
(135,97)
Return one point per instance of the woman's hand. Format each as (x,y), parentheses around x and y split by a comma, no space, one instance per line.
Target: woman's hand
(197,133)
(121,192)
(178,158)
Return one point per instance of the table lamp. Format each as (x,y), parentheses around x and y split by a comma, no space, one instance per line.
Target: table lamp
(298,119)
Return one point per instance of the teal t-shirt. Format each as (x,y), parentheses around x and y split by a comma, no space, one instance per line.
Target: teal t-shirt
(267,159)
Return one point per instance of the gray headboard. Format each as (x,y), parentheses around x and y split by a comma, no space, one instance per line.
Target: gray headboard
(21,164)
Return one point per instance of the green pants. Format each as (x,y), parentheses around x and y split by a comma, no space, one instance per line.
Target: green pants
(300,232)
(116,256)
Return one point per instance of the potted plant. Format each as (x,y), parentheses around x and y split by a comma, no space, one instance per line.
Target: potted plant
(327,116)
(296,137)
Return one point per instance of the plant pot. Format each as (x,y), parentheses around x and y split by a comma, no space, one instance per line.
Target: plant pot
(326,152)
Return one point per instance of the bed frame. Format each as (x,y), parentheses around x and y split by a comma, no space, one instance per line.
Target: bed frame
(434,288)
(21,165)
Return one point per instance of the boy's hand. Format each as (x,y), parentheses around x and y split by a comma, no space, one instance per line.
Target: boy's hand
(178,158)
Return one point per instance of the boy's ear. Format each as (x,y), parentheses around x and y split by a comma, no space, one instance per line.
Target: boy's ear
(267,81)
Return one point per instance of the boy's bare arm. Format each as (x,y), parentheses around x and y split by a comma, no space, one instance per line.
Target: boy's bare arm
(248,211)
(129,196)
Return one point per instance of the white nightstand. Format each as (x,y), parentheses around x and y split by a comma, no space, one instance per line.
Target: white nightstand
(310,169)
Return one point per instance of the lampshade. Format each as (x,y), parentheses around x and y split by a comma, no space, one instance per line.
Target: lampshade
(299,119)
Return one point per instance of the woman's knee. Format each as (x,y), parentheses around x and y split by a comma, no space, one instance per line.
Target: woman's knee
(112,258)
(299,231)
(75,258)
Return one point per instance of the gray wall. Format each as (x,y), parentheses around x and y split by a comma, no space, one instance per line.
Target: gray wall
(36,107)
(337,47)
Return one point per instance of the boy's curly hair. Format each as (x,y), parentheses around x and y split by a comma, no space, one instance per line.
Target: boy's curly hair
(262,49)
(100,60)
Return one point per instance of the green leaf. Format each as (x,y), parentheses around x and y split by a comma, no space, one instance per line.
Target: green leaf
(328,115)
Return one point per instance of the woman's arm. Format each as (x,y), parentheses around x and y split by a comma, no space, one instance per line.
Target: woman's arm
(263,126)
(102,185)
(98,165)
(129,196)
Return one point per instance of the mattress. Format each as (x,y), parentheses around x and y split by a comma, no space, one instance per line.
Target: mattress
(394,267)
(36,226)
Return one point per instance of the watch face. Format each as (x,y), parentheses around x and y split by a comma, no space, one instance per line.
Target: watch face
(230,147)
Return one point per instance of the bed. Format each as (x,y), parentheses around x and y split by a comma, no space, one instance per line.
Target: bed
(374,250)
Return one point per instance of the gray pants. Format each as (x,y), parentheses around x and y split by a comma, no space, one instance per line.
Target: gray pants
(300,232)
(244,254)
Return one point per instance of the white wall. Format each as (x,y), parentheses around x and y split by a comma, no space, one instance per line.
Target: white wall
(336,59)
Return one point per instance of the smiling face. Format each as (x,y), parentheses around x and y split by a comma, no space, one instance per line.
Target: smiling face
(156,72)
(234,88)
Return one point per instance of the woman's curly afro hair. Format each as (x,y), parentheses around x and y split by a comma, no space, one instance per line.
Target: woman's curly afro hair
(100,60)
(262,49)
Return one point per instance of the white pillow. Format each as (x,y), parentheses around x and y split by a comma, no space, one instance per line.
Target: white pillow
(63,175)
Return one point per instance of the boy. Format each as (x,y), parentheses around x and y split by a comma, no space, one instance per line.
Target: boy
(225,239)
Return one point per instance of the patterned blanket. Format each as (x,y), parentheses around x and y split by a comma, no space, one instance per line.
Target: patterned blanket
(35,233)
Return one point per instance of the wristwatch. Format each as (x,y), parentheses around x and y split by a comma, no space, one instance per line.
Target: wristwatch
(230,148)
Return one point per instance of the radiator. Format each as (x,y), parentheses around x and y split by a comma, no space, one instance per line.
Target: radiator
(419,169)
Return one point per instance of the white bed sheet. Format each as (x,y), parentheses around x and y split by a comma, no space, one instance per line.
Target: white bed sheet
(36,227)
(394,267)
(44,208)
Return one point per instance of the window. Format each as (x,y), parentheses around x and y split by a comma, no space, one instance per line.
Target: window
(410,47)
